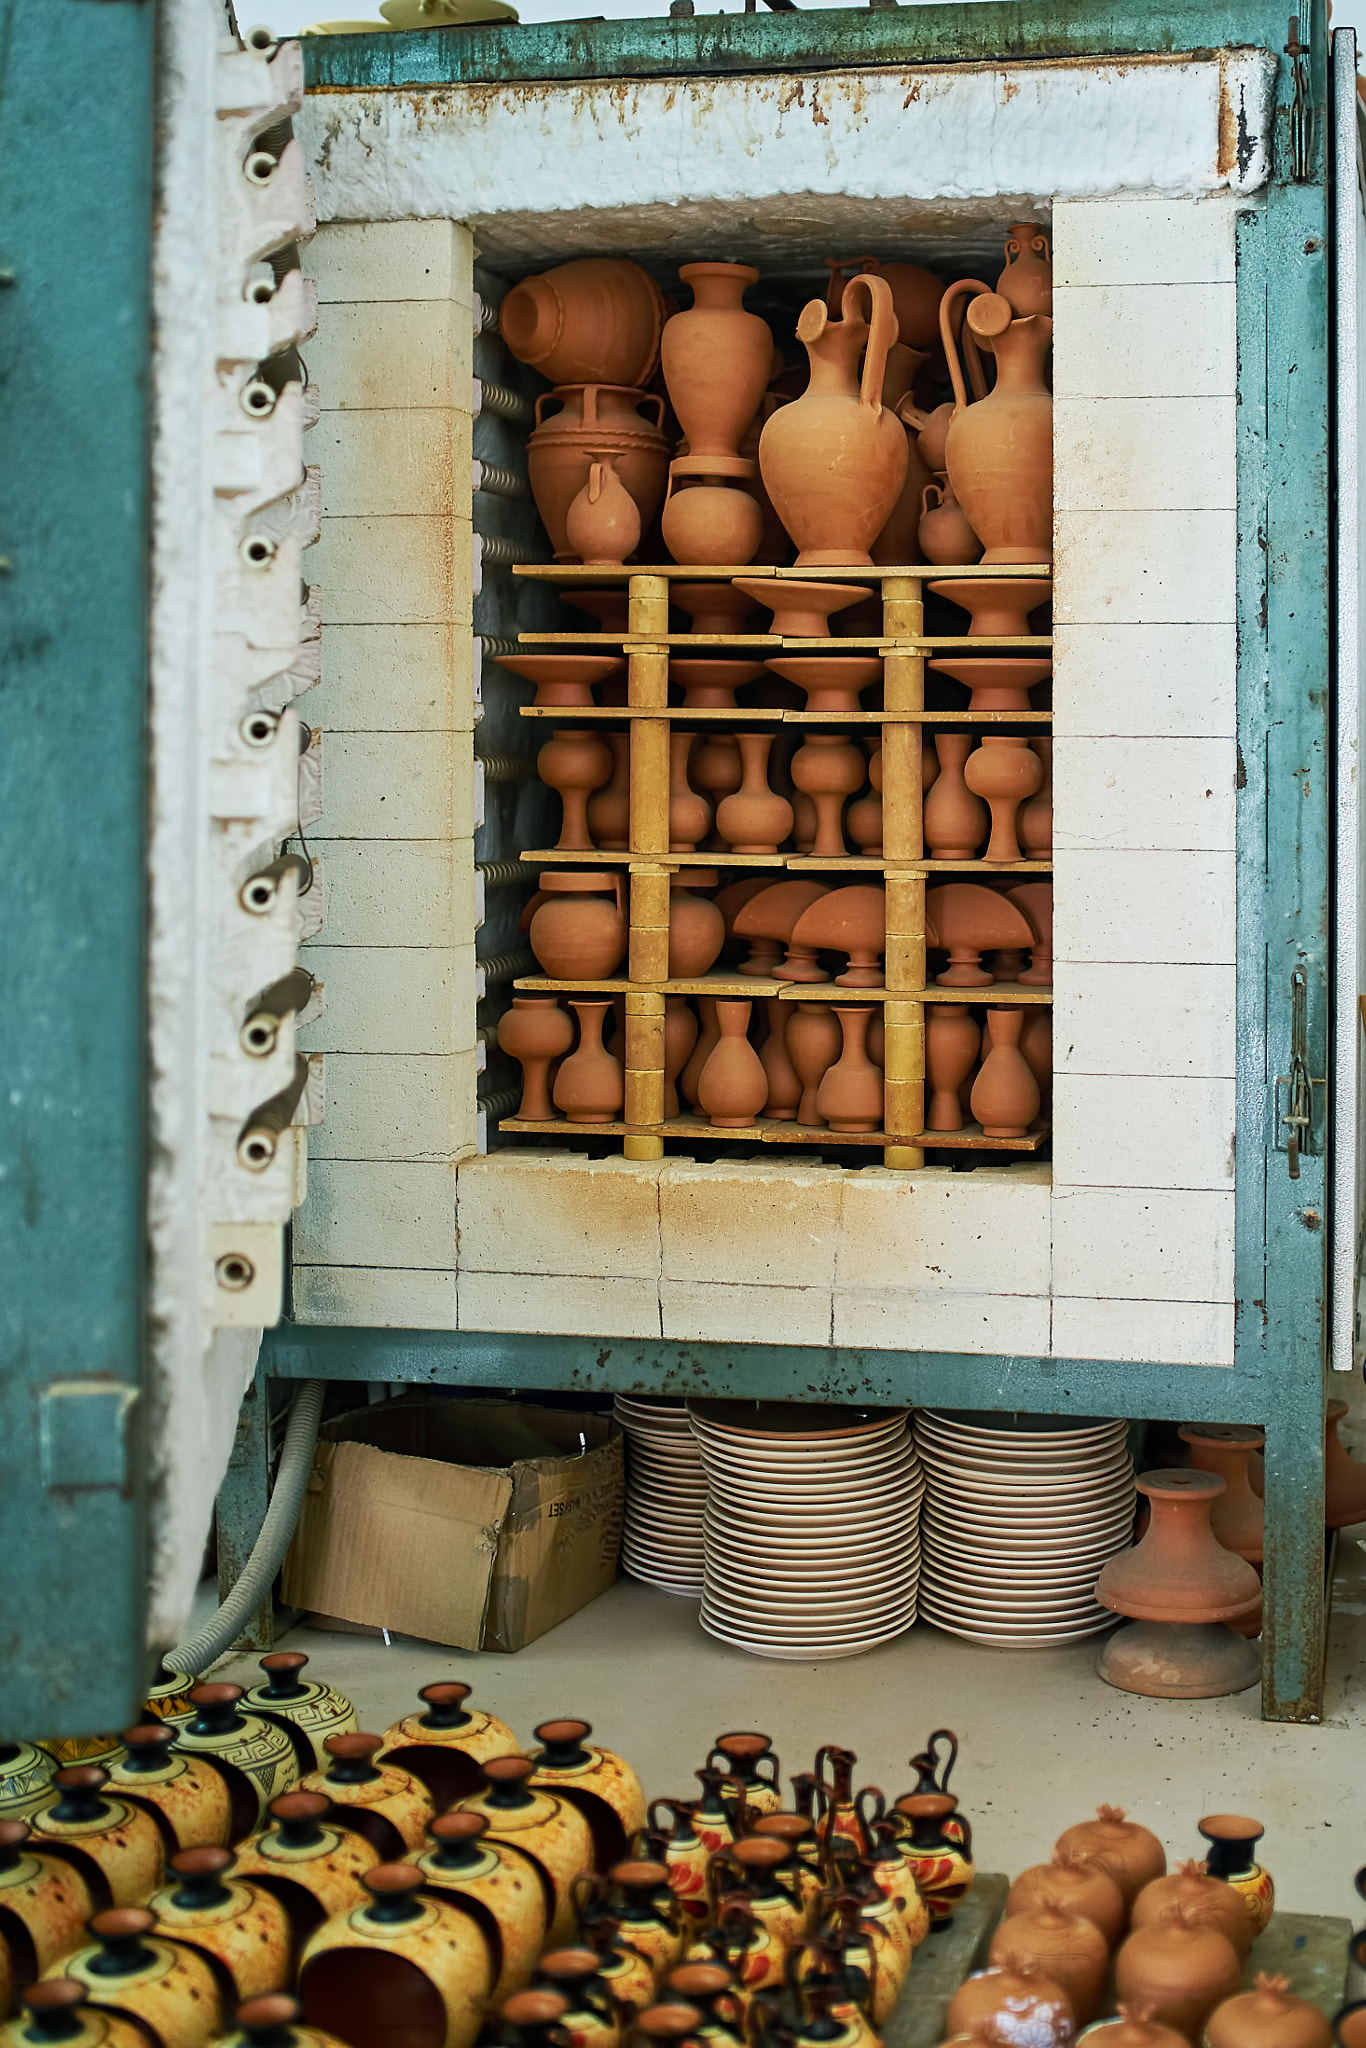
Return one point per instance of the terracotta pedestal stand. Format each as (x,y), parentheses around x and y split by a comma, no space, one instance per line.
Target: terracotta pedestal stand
(1226,1448)
(1181,1587)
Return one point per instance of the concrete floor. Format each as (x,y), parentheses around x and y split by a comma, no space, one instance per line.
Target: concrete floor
(1043,1740)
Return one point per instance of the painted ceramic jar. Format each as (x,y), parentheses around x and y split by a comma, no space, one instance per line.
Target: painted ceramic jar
(1080,1886)
(170,1989)
(893,1875)
(116,1846)
(531,2019)
(591,2019)
(739,1940)
(749,1757)
(647,1913)
(67,1751)
(169,1696)
(941,1863)
(498,1886)
(601,1784)
(718,1819)
(310,1861)
(185,1795)
(1037,2009)
(1130,1853)
(275,2021)
(446,1745)
(1232,1839)
(1060,1945)
(628,1974)
(1179,1971)
(44,1902)
(800,1837)
(307,1711)
(710,1989)
(835,1790)
(59,2010)
(683,1853)
(238,1925)
(256,1757)
(545,1827)
(26,1774)
(384,1803)
(401,1967)
(1202,1898)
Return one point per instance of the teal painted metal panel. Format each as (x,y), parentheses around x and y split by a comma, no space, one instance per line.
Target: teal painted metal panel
(76,115)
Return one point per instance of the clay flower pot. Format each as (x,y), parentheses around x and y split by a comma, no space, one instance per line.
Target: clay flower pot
(716,359)
(381,1801)
(732,1087)
(171,1990)
(498,1886)
(711,685)
(828,768)
(563,679)
(995,682)
(26,1773)
(1076,1884)
(1179,1970)
(44,1902)
(1033,2006)
(801,611)
(850,1095)
(945,537)
(710,521)
(1200,1897)
(853,921)
(572,764)
(115,1846)
(1004,771)
(307,1711)
(603,523)
(312,1865)
(1128,1852)
(1268,2016)
(768,920)
(598,1781)
(448,1743)
(58,2010)
(186,1797)
(255,1756)
(597,318)
(1236,1514)
(1232,1839)
(680,1036)
(955,820)
(401,1967)
(830,682)
(970,919)
(239,1927)
(593,420)
(1027,280)
(1060,1945)
(781,1104)
(690,815)
(814,1042)
(535,1031)
(754,820)
(590,1087)
(1005,1095)
(938,1845)
(1179,1571)
(547,1828)
(579,931)
(953,1040)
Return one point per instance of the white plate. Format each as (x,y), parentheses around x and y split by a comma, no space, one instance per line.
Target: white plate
(818,1460)
(791,1547)
(1108,1459)
(862,1471)
(952,1569)
(792,1421)
(1027,1428)
(1016,1642)
(989,1608)
(1079,1486)
(1081,1516)
(903,1477)
(825,1653)
(835,1527)
(720,1620)
(1018,1449)
(751,1589)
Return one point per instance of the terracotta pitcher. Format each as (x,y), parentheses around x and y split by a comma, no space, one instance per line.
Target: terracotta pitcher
(593,420)
(603,522)
(999,451)
(945,537)
(599,1782)
(1027,280)
(940,1860)
(716,359)
(307,1710)
(834,461)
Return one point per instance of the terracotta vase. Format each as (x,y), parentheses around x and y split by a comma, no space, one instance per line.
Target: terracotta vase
(1060,1945)
(1004,771)
(595,419)
(595,318)
(497,1886)
(1179,1571)
(590,1087)
(999,683)
(732,1087)
(1268,2016)
(168,1989)
(830,682)
(849,1097)
(852,920)
(716,359)
(828,768)
(1035,821)
(1035,900)
(955,821)
(999,451)
(754,819)
(578,928)
(1076,1884)
(814,1042)
(801,610)
(1232,1839)
(1179,1970)
(714,770)
(834,461)
(381,1801)
(647,1914)
(591,2019)
(710,521)
(784,1085)
(255,1756)
(1200,1897)
(767,920)
(938,1845)
(969,919)
(535,1031)
(448,1743)
(697,930)
(727,608)
(307,1711)
(599,1782)
(545,1827)
(572,764)
(1027,280)
(58,2010)
(603,523)
(933,429)
(709,1031)
(1033,2006)
(401,1968)
(1236,1514)
(1036,1043)
(899,540)
(116,1847)
(863,819)
(44,1903)
(953,1040)
(26,1774)
(998,607)
(916,294)
(311,1863)
(680,1036)
(185,1795)
(566,680)
(275,2022)
(945,537)
(1344,1477)
(1131,2028)
(689,814)
(760,1869)
(237,1927)
(1005,1095)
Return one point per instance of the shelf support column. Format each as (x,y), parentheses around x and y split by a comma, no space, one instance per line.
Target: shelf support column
(903,689)
(644,1073)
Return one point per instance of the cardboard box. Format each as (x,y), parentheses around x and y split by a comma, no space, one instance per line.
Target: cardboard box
(475,1523)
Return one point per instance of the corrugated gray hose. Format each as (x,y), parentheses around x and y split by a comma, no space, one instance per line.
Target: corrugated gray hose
(222,1629)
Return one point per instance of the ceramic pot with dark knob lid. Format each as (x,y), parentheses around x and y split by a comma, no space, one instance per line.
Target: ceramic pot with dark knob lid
(185,1795)
(58,2010)
(44,1903)
(446,1745)
(240,1929)
(132,1971)
(533,2019)
(26,1774)
(307,1711)
(593,2019)
(546,1827)
(310,1858)
(408,1966)
(601,1784)
(383,1802)
(275,2022)
(498,1885)
(255,1756)
(168,1698)
(114,1845)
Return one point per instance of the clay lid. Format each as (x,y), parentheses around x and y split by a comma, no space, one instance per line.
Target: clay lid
(292,1807)
(148,1746)
(533,2008)
(700,1980)
(1180,1483)
(1230,1827)
(639,1875)
(355,1744)
(392,1880)
(352,1758)
(571,1964)
(669,2022)
(458,1827)
(216,1709)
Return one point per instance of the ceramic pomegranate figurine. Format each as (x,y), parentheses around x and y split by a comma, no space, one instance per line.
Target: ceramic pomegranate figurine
(680,1036)
(1133,2027)
(116,1847)
(849,1097)
(577,925)
(834,461)
(1028,2003)
(953,1040)
(312,1865)
(544,1826)
(602,524)
(44,1902)
(814,1042)
(601,1784)
(955,820)
(498,1886)
(447,1744)
(1027,280)
(943,531)
(590,1087)
(999,451)
(403,1967)
(255,1756)
(784,1083)
(535,1032)
(1200,1897)
(1127,1851)
(754,819)
(237,1927)
(1076,1884)
(1005,1095)
(572,764)
(1236,1515)
(1060,1945)
(716,359)
(1004,771)
(1232,1839)
(307,1710)
(1179,1969)
(732,1087)
(170,1990)
(1268,2016)
(597,318)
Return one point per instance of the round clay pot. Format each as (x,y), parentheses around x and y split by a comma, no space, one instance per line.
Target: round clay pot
(899,540)
(186,1796)
(602,524)
(535,1031)
(44,1903)
(275,2022)
(754,819)
(1179,1571)
(1236,1514)
(1027,280)
(1268,2016)
(312,1865)
(1037,2007)
(401,1967)
(1201,1898)
(710,522)
(814,1043)
(170,1989)
(1128,1852)
(1076,1884)
(716,359)
(849,1097)
(1233,1838)
(498,1886)
(26,1774)
(595,318)
(999,451)
(1179,1970)
(116,1846)
(680,1036)
(953,1040)
(697,930)
(579,932)
(1131,2028)
(598,1781)
(590,1087)
(448,1743)
(828,768)
(1004,771)
(307,1711)
(58,2010)
(255,1756)
(955,819)
(595,420)
(1060,1945)
(942,529)
(547,1828)
(239,1926)
(732,1087)
(1005,1095)
(381,1801)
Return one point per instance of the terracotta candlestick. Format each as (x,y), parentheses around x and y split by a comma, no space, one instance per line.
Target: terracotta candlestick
(952,1041)
(680,1036)
(1236,1514)
(955,819)
(1036,1043)
(754,820)
(1182,1586)
(814,1040)
(849,1097)
(535,1031)
(572,764)
(828,769)
(732,1087)
(784,1082)
(689,814)
(611,608)
(590,1086)
(1005,1095)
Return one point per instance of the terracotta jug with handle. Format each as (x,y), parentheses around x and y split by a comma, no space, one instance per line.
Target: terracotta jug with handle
(999,451)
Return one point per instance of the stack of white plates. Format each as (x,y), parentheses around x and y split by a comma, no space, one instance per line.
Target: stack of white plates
(666,1493)
(812,1545)
(1021,1512)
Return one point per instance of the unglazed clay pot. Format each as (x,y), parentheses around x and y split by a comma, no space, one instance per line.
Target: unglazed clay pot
(563,679)
(834,461)
(44,1904)
(546,1827)
(401,1968)
(767,919)
(680,1036)
(1036,1043)
(447,1744)
(1005,1095)
(863,819)
(710,521)
(945,537)
(1344,1477)
(58,2010)
(26,1774)
(732,1087)
(171,1990)
(999,451)
(940,1860)
(716,359)
(311,1863)
(916,294)
(185,1795)
(849,1097)
(715,607)
(595,318)
(801,610)
(239,1926)
(814,1042)
(1035,900)
(1178,1969)
(1236,1515)
(590,1087)
(853,921)
(703,1045)
(1027,280)
(578,929)
(754,819)
(595,420)
(689,814)
(830,682)
(535,1032)
(1034,823)
(275,2022)
(308,1711)
(1200,1897)
(1128,1852)
(1268,2016)
(600,1783)
(998,607)
(1232,1839)
(955,820)
(116,1846)
(381,1801)
(1179,1571)
(997,683)
(255,1756)
(828,768)
(970,919)
(1032,2006)
(1004,771)
(1062,1946)
(953,1039)
(1132,2028)
(697,930)
(572,764)
(603,522)
(1080,1886)
(498,1885)
(711,685)
(784,1096)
